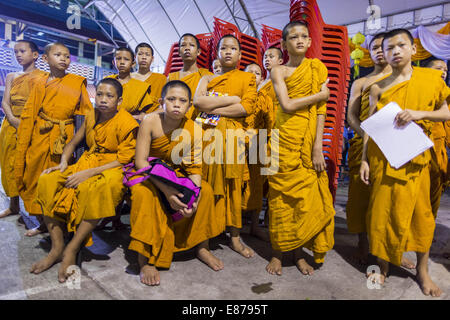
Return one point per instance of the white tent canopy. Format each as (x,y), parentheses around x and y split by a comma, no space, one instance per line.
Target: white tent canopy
(161,22)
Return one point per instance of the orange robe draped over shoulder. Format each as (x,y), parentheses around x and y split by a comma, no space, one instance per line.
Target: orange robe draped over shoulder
(226,178)
(358,191)
(46,126)
(137,96)
(301,205)
(192,81)
(153,232)
(399,216)
(19,93)
(98,196)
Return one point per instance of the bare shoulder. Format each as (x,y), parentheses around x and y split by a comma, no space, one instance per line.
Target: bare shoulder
(12,75)
(357,85)
(278,72)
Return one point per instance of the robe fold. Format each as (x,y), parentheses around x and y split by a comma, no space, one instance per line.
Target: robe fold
(46,126)
(226,178)
(358,191)
(261,118)
(98,196)
(153,232)
(399,216)
(438,165)
(301,205)
(192,81)
(19,93)
(139,96)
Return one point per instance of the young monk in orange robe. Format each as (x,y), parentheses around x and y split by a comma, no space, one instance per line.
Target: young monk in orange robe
(272,57)
(223,171)
(144,58)
(155,236)
(399,216)
(47,122)
(439,159)
(189,49)
(137,98)
(17,89)
(261,118)
(358,111)
(76,197)
(301,205)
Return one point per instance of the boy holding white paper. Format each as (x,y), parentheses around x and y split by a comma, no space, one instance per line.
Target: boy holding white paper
(399,217)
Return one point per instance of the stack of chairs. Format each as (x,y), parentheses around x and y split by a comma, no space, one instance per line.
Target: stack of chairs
(175,63)
(251,47)
(330,45)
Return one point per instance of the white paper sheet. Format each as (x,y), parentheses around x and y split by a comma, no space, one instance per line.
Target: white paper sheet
(399,145)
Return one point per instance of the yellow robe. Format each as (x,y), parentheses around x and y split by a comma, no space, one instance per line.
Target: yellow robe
(301,205)
(399,216)
(153,232)
(47,124)
(358,191)
(227,179)
(98,196)
(20,90)
(261,118)
(438,165)
(192,81)
(137,96)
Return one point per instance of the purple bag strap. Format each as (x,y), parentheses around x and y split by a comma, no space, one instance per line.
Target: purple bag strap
(128,173)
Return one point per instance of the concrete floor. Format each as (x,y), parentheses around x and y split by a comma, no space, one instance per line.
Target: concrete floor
(109,270)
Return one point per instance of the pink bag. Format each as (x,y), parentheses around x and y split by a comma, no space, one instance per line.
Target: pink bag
(166,174)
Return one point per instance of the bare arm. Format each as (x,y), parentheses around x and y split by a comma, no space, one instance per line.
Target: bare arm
(6,102)
(365,170)
(208,103)
(354,107)
(232,111)
(143,143)
(317,156)
(292,105)
(441,114)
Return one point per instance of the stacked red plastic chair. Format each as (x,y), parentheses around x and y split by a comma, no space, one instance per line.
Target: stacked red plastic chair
(330,45)
(175,63)
(251,47)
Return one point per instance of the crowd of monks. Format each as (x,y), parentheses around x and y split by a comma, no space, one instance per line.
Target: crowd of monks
(138,114)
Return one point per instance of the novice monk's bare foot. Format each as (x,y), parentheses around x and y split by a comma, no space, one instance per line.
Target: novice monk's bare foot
(69,259)
(239,247)
(260,233)
(302,265)
(149,275)
(8,212)
(428,287)
(274,266)
(209,259)
(32,232)
(54,256)
(408,264)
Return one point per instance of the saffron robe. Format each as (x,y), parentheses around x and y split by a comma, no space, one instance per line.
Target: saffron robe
(153,232)
(46,125)
(192,81)
(438,165)
(301,205)
(358,191)
(399,216)
(98,196)
(20,90)
(261,118)
(226,176)
(137,97)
